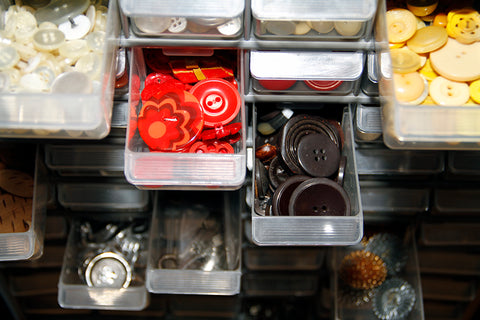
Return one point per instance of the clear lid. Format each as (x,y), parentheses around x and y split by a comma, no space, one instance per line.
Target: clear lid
(372,67)
(347,66)
(314,9)
(183,8)
(369,119)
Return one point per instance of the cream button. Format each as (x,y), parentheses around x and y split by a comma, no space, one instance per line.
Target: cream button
(48,39)
(58,11)
(91,15)
(47,25)
(90,64)
(409,87)
(280,28)
(33,63)
(4,82)
(75,28)
(152,25)
(95,41)
(177,25)
(449,93)
(14,75)
(24,50)
(405,60)
(348,28)
(10,24)
(401,25)
(302,28)
(231,27)
(100,21)
(72,82)
(32,82)
(73,49)
(322,26)
(8,57)
(457,61)
(428,39)
(46,74)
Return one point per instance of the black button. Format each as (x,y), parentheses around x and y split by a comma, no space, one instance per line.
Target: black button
(281,196)
(318,155)
(276,173)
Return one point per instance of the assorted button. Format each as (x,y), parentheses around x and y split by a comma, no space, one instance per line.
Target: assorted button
(330,29)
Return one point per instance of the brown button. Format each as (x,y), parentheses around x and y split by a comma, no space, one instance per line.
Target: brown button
(319,197)
(281,196)
(318,155)
(276,173)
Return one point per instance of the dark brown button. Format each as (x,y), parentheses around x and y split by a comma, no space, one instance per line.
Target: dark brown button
(319,197)
(318,155)
(281,196)
(261,180)
(342,166)
(276,174)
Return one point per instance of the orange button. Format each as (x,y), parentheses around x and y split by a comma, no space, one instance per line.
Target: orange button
(409,87)
(405,60)
(428,39)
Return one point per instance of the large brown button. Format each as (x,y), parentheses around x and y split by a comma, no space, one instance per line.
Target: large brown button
(318,155)
(276,173)
(281,196)
(319,197)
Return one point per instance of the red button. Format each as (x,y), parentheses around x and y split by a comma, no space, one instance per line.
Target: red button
(211,147)
(155,87)
(156,78)
(321,85)
(170,120)
(221,132)
(277,84)
(219,99)
(156,61)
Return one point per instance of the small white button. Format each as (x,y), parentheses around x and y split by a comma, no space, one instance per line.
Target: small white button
(25,51)
(152,25)
(95,41)
(58,11)
(33,63)
(72,82)
(4,82)
(75,28)
(100,21)
(8,57)
(230,27)
(177,25)
(90,64)
(48,39)
(91,15)
(73,49)
(47,25)
(47,75)
(32,82)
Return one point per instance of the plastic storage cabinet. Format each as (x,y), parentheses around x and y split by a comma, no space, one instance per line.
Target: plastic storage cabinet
(312,20)
(104,265)
(316,230)
(195,248)
(64,113)
(23,207)
(186,19)
(426,126)
(290,72)
(187,170)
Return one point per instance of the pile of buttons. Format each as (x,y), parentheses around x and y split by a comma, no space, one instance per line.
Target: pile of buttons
(155,25)
(55,47)
(188,105)
(299,28)
(434,54)
(299,167)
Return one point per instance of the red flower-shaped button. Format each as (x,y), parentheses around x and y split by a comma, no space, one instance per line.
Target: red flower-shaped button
(219,99)
(170,120)
(323,85)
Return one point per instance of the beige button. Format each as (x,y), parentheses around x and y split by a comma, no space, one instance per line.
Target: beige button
(95,41)
(100,21)
(47,25)
(25,51)
(348,28)
(152,25)
(177,24)
(449,93)
(73,49)
(409,87)
(90,64)
(8,57)
(10,22)
(457,61)
(405,60)
(302,28)
(32,82)
(48,39)
(401,25)
(91,15)
(428,39)
(321,26)
(280,28)
(46,74)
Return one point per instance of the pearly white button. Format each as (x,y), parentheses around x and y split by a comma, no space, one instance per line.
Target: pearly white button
(32,82)
(47,25)
(48,39)
(73,49)
(14,75)
(72,82)
(33,63)
(46,74)
(4,82)
(26,27)
(90,64)
(322,26)
(10,24)
(75,28)
(177,24)
(8,57)
(100,21)
(348,28)
(58,11)
(95,41)
(91,15)
(25,51)
(152,25)
(230,27)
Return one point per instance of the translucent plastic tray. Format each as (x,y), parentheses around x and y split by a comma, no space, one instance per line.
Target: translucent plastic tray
(444,288)
(464,163)
(392,199)
(456,200)
(102,196)
(185,226)
(438,260)
(185,19)
(261,284)
(294,258)
(29,244)
(102,159)
(157,170)
(450,233)
(300,72)
(319,230)
(280,19)
(420,127)
(370,77)
(73,291)
(357,303)
(368,123)
(62,115)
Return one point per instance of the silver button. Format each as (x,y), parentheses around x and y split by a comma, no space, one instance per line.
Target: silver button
(108,270)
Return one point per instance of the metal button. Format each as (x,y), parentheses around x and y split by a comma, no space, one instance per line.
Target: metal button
(108,270)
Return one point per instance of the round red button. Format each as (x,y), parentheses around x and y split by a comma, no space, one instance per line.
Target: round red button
(277,84)
(219,99)
(323,85)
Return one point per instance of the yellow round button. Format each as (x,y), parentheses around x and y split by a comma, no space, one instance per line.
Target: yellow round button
(422,8)
(321,26)
(428,39)
(301,28)
(409,87)
(449,93)
(440,20)
(401,25)
(464,25)
(405,60)
(427,71)
(457,61)
(474,89)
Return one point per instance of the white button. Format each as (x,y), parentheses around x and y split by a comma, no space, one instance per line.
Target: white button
(72,82)
(47,25)
(322,26)
(152,25)
(90,64)
(449,93)
(26,26)
(4,82)
(47,75)
(73,49)
(348,28)
(14,75)
(25,51)
(48,39)
(100,21)
(33,63)
(177,25)
(32,82)
(75,28)
(8,57)
(10,24)
(91,15)
(230,27)
(58,11)
(95,41)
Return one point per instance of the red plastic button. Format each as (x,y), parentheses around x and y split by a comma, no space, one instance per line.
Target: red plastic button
(211,147)
(156,61)
(156,78)
(154,88)
(277,84)
(219,99)
(170,120)
(321,85)
(221,132)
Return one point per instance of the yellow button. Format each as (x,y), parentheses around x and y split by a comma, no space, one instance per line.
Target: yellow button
(321,26)
(405,60)
(401,25)
(449,93)
(427,71)
(301,28)
(428,39)
(422,8)
(464,25)
(457,61)
(440,20)
(409,87)
(396,45)
(475,91)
